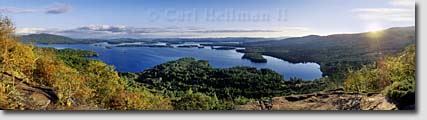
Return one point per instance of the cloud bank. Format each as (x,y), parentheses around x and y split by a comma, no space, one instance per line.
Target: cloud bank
(15,10)
(56,8)
(402,11)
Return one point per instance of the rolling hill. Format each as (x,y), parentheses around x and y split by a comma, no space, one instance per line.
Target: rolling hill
(44,38)
(335,53)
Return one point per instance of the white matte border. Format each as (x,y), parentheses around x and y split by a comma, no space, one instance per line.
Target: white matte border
(419,114)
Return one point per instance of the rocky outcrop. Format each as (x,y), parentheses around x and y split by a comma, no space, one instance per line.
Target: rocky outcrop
(35,98)
(330,100)
(38,98)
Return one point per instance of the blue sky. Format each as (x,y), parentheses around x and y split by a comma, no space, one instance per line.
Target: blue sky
(205,18)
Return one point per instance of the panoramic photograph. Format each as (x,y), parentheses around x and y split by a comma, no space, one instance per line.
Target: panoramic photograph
(208,55)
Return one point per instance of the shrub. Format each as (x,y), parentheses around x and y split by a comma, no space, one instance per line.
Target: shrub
(395,75)
(196,101)
(402,92)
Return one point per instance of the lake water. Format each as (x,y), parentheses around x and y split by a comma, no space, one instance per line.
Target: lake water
(137,59)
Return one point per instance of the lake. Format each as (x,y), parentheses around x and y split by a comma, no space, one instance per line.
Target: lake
(137,59)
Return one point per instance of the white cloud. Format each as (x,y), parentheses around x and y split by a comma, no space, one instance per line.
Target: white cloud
(386,14)
(15,10)
(57,8)
(26,31)
(403,3)
(403,11)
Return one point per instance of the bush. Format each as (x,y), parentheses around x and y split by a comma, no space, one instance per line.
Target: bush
(242,100)
(402,92)
(196,101)
(138,100)
(395,75)
(363,80)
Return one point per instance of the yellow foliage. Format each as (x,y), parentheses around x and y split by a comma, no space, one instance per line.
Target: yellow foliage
(15,58)
(97,84)
(68,83)
(386,72)
(10,97)
(3,95)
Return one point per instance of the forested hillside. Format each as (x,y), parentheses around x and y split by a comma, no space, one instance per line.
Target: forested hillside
(337,53)
(51,39)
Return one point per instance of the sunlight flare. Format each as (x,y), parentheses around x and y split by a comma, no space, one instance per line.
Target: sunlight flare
(375,31)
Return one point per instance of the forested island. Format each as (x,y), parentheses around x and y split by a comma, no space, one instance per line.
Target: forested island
(35,78)
(254,57)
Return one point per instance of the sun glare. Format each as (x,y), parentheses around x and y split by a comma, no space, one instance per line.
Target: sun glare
(375,30)
(373,27)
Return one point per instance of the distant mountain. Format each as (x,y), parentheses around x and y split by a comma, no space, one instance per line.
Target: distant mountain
(386,38)
(51,39)
(57,39)
(225,39)
(336,52)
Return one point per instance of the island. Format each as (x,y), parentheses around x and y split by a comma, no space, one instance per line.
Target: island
(143,45)
(255,57)
(188,46)
(223,48)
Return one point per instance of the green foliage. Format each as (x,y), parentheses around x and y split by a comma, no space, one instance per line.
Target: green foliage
(72,58)
(231,86)
(401,71)
(402,92)
(363,80)
(196,101)
(242,100)
(394,75)
(255,57)
(248,82)
(198,75)
(73,52)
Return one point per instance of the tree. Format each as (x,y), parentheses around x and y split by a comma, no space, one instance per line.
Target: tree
(393,75)
(15,58)
(196,101)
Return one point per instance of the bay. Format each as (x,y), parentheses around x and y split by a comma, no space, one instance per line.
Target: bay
(137,59)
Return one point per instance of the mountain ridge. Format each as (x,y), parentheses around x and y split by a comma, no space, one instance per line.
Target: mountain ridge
(41,38)
(337,52)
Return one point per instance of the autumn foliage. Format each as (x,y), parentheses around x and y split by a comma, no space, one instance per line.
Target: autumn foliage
(95,85)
